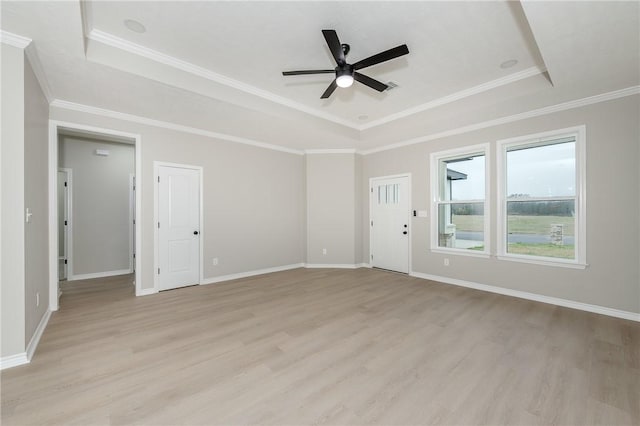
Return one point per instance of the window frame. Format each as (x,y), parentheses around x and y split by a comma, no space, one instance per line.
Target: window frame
(434,160)
(580,230)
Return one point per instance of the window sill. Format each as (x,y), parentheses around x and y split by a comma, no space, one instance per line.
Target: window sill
(543,261)
(461,252)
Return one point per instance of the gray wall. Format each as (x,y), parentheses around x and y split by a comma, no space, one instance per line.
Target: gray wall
(100,203)
(253,197)
(612,278)
(331,208)
(36,198)
(237,176)
(12,184)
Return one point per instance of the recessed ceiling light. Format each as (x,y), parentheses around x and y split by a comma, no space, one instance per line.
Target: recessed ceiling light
(363,117)
(134,26)
(508,64)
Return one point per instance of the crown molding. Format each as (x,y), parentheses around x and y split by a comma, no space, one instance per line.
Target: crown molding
(330,151)
(629,91)
(136,49)
(14,40)
(493,84)
(57,103)
(32,55)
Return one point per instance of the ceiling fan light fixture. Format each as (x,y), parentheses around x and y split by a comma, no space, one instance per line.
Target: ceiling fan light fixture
(344,77)
(344,80)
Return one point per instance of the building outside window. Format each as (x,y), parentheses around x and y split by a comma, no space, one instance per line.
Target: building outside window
(541,212)
(459,201)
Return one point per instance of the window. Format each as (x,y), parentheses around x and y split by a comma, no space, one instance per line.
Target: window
(541,196)
(459,201)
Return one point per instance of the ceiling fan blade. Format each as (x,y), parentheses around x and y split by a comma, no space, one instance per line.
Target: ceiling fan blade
(329,90)
(334,45)
(382,57)
(368,81)
(304,72)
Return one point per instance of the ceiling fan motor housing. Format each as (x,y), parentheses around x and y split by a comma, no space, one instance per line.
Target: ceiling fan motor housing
(345,69)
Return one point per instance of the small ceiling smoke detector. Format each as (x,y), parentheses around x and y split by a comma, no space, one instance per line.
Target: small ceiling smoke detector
(134,26)
(391,85)
(508,64)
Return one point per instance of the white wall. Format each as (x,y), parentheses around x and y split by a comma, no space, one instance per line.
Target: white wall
(100,203)
(612,278)
(12,287)
(253,197)
(331,208)
(36,122)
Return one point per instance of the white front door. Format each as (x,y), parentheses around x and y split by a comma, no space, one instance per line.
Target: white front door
(178,227)
(389,225)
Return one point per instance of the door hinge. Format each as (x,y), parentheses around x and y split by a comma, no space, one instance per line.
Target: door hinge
(158,225)
(371,257)
(371,223)
(158,271)
(65,184)
(134,255)
(372,190)
(158,179)
(134,221)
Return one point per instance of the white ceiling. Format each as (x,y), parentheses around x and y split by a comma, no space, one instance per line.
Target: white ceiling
(217,65)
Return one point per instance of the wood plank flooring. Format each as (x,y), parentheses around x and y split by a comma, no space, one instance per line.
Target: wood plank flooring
(323,347)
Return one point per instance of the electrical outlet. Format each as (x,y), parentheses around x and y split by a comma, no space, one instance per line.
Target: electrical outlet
(215,261)
(324,251)
(37,299)
(446,261)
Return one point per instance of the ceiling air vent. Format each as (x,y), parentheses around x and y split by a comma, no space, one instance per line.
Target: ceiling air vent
(391,85)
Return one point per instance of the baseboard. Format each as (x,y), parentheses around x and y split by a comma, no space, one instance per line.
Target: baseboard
(332,265)
(146,292)
(13,360)
(99,275)
(35,339)
(632,316)
(251,273)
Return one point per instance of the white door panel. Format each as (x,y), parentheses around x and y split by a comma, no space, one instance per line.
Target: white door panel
(179,227)
(390,224)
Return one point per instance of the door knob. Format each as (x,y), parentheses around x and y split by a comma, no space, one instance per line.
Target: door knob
(405,232)
(195,232)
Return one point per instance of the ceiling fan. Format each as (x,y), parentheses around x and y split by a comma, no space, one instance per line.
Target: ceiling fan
(346,73)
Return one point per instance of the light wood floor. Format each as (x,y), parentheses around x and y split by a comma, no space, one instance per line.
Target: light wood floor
(323,346)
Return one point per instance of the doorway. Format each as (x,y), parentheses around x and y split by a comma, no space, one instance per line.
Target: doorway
(55,129)
(389,222)
(178,219)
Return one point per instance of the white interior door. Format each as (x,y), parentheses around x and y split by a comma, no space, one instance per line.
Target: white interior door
(389,214)
(178,227)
